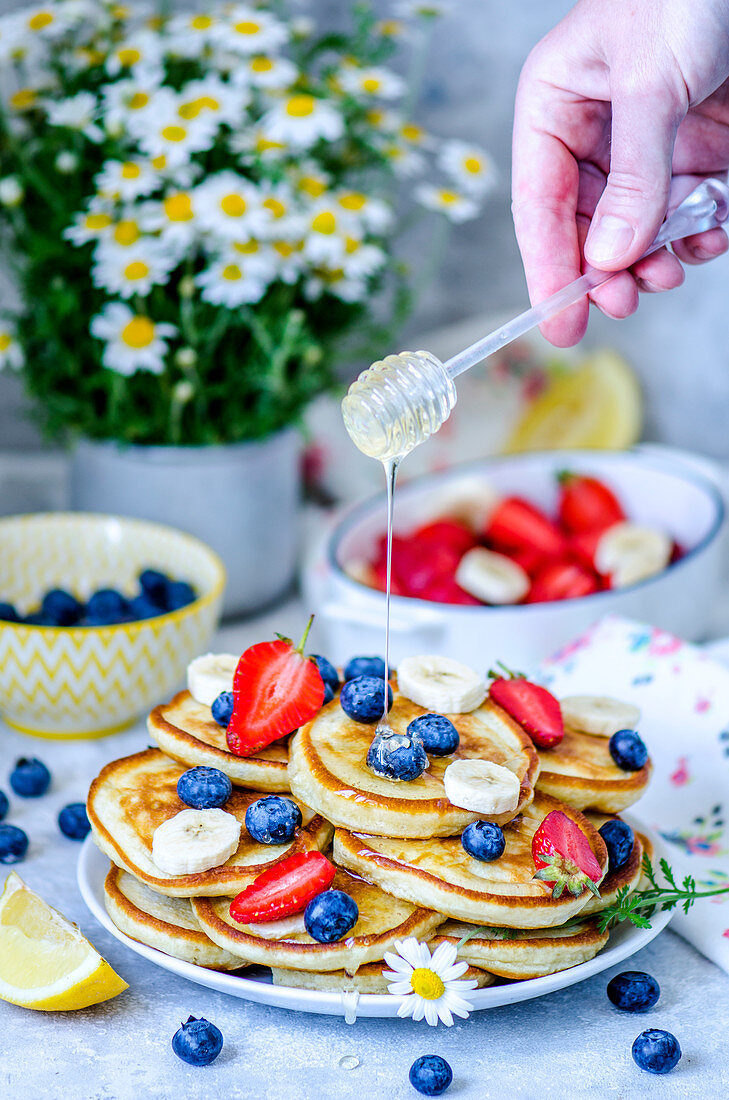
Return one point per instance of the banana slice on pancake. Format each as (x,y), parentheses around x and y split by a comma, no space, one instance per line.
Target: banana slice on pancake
(382,920)
(328,771)
(368,979)
(518,953)
(167,924)
(581,771)
(187,731)
(440,873)
(133,796)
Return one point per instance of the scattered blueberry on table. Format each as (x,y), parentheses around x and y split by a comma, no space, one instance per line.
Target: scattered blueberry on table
(204,788)
(73,821)
(362,698)
(222,708)
(430,1075)
(438,734)
(628,750)
(484,840)
(273,820)
(656,1051)
(330,915)
(197,1042)
(397,756)
(633,991)
(619,841)
(364,666)
(4,805)
(13,844)
(30,778)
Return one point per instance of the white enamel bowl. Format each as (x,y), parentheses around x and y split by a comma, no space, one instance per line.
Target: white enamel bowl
(655,486)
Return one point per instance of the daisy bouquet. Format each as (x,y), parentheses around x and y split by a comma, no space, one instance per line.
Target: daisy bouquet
(197,207)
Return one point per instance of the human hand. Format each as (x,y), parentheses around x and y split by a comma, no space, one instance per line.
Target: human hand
(621,108)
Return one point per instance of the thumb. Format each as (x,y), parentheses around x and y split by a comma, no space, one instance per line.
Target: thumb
(635,199)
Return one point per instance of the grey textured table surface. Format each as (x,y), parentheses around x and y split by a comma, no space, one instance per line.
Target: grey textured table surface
(569,1044)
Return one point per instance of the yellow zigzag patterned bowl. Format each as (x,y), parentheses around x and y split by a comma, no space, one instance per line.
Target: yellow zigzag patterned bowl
(89,681)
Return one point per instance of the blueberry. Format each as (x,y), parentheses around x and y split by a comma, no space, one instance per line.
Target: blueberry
(204,788)
(633,991)
(328,672)
(656,1051)
(438,734)
(430,1075)
(141,607)
(105,607)
(362,699)
(396,756)
(273,820)
(179,594)
(60,606)
(13,844)
(628,750)
(483,840)
(8,614)
(364,666)
(330,916)
(222,708)
(328,694)
(4,805)
(39,618)
(30,778)
(73,822)
(197,1042)
(619,841)
(154,586)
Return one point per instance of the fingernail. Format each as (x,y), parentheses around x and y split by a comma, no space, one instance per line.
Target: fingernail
(609,239)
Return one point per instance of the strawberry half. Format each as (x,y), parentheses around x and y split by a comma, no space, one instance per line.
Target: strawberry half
(531,705)
(276,689)
(515,524)
(586,504)
(283,889)
(563,856)
(562,580)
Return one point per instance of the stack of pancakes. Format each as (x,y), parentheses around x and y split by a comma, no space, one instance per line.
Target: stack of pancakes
(397,848)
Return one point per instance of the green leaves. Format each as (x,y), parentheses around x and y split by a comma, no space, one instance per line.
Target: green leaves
(639,907)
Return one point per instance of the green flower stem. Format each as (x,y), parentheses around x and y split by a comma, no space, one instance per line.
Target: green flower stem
(666,895)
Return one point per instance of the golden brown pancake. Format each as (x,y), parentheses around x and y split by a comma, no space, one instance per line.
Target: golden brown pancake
(187,731)
(132,796)
(581,772)
(368,979)
(328,771)
(440,873)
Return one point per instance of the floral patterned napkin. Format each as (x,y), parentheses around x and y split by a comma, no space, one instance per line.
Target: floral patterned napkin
(684,698)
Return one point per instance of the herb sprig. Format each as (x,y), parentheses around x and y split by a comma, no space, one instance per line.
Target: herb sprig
(640,906)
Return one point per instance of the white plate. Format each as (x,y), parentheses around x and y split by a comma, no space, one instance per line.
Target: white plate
(625,940)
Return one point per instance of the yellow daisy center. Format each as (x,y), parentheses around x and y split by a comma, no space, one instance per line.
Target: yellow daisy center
(351,245)
(40,20)
(277,208)
(375,117)
(310,185)
(136,271)
(411,132)
(472,165)
(159,163)
(130,171)
(232,273)
(284,249)
(129,56)
(5,341)
(263,144)
(23,99)
(139,333)
(126,233)
(178,208)
(120,11)
(371,84)
(201,22)
(324,223)
(96,222)
(353,201)
(447,197)
(234,206)
(427,984)
(261,65)
(246,248)
(191,109)
(247,27)
(390,27)
(174,133)
(300,106)
(138,101)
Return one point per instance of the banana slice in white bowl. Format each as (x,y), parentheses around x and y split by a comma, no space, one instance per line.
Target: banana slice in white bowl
(629,552)
(492,577)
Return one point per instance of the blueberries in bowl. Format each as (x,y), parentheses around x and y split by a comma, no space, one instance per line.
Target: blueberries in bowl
(273,820)
(364,666)
(438,734)
(106,606)
(362,699)
(397,756)
(8,613)
(30,778)
(61,608)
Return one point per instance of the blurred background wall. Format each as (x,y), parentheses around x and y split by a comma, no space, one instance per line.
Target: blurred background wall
(678,342)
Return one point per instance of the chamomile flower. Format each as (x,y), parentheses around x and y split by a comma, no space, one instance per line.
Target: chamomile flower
(46,21)
(24,99)
(126,179)
(175,138)
(301,120)
(326,228)
(229,206)
(414,135)
(288,260)
(428,984)
(127,100)
(77,113)
(249,30)
(231,282)
(282,216)
(266,71)
(139,55)
(190,35)
(468,166)
(252,144)
(405,160)
(133,341)
(311,181)
(371,81)
(375,214)
(11,353)
(133,270)
(12,191)
(456,206)
(360,259)
(257,256)
(173,218)
(91,225)
(212,99)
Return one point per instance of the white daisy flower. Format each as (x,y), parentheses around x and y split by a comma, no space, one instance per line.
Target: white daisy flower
(413,134)
(11,353)
(231,282)
(428,985)
(375,214)
(229,206)
(213,99)
(257,256)
(139,56)
(77,113)
(133,341)
(90,225)
(384,121)
(66,162)
(252,144)
(174,219)
(456,206)
(468,166)
(326,228)
(283,218)
(371,81)
(288,260)
(48,20)
(127,100)
(175,138)
(265,71)
(391,28)
(24,99)
(120,237)
(301,120)
(405,160)
(12,191)
(190,35)
(126,179)
(250,31)
(132,270)
(361,260)
(310,180)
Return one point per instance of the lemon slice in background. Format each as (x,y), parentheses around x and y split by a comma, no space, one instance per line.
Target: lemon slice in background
(45,962)
(598,405)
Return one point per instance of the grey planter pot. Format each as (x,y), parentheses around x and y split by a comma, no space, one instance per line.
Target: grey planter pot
(242,499)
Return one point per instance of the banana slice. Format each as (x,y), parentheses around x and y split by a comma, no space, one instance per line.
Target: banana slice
(492,577)
(195,840)
(469,499)
(441,684)
(629,553)
(598,714)
(210,674)
(279,929)
(481,786)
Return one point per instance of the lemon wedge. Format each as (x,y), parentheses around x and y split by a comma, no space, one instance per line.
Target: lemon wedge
(597,405)
(45,962)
